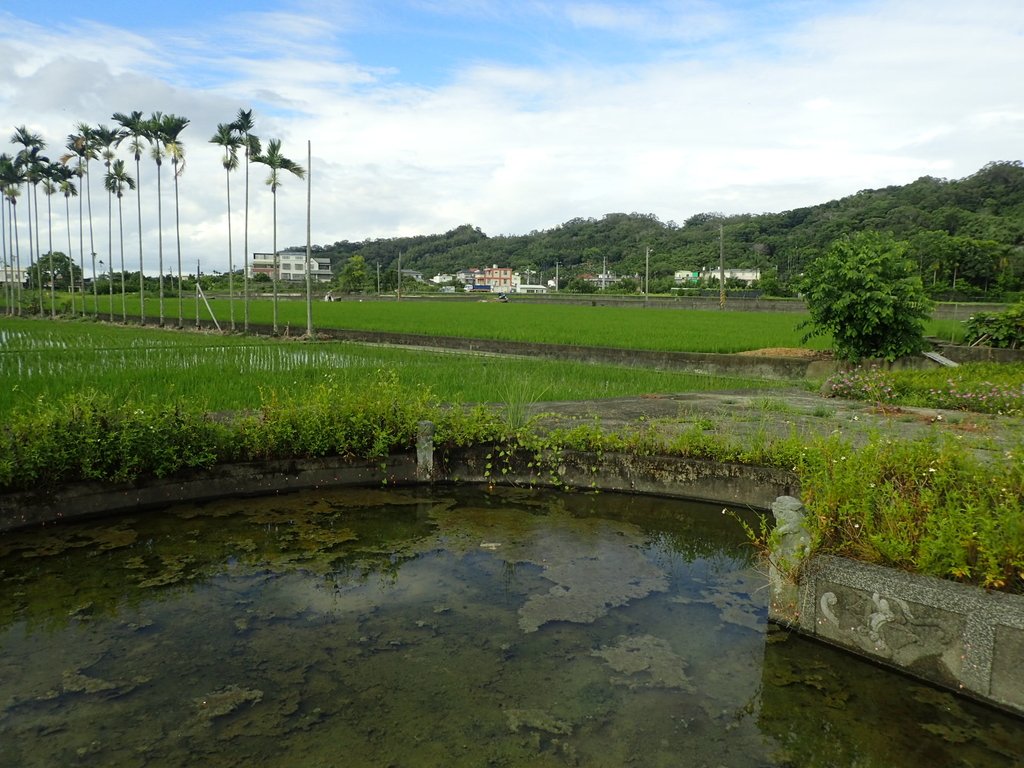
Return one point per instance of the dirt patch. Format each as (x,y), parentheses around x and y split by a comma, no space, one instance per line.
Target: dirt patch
(793,352)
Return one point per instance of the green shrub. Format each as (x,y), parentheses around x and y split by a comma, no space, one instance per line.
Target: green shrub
(1004,330)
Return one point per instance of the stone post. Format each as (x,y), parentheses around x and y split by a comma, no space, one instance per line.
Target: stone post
(790,544)
(425,451)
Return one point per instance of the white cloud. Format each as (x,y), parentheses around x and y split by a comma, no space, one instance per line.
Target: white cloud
(845,100)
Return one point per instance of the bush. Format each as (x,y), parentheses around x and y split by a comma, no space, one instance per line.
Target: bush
(1004,330)
(868,296)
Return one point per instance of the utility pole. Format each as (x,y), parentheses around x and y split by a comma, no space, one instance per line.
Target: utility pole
(309,245)
(647,273)
(557,264)
(378,277)
(721,266)
(399,294)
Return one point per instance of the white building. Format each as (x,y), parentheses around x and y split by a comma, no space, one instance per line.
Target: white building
(711,275)
(291,266)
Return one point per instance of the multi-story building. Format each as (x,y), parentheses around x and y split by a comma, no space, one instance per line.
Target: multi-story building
(499,278)
(291,266)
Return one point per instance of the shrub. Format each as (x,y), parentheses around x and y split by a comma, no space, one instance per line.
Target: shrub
(868,296)
(1004,330)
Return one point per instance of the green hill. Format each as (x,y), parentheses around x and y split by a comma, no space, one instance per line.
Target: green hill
(967,236)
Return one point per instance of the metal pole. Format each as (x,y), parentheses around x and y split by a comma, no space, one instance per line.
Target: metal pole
(647,273)
(309,247)
(721,267)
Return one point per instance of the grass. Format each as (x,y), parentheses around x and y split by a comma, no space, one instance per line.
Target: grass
(996,388)
(620,327)
(45,360)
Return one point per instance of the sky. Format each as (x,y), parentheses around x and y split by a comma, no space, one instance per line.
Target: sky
(418,116)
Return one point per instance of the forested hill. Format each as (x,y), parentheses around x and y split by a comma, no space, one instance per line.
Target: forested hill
(968,232)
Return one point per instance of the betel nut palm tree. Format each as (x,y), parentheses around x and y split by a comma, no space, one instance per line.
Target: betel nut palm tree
(31,162)
(116,180)
(136,130)
(104,139)
(79,149)
(226,138)
(69,190)
(243,126)
(11,178)
(166,131)
(277,163)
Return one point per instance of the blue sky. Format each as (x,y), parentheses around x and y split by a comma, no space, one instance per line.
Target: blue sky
(513,116)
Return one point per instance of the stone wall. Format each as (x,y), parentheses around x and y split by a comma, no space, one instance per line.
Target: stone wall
(962,638)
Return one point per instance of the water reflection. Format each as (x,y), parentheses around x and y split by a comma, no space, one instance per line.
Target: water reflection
(458,627)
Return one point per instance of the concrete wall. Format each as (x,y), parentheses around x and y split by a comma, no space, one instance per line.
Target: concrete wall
(780,368)
(962,638)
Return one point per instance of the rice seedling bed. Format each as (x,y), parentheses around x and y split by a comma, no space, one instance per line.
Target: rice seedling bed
(44,359)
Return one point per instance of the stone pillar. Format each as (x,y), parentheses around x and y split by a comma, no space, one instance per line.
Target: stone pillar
(790,544)
(425,451)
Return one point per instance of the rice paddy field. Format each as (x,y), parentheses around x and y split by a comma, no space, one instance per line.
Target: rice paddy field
(621,327)
(44,358)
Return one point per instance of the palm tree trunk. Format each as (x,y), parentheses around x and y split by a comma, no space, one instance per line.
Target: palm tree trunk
(160,241)
(110,247)
(16,251)
(231,265)
(71,263)
(275,274)
(81,251)
(142,280)
(177,236)
(120,225)
(49,237)
(39,266)
(92,246)
(245,246)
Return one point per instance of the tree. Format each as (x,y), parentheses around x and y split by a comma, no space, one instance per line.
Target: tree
(157,153)
(105,138)
(32,164)
(80,149)
(353,277)
(137,128)
(116,180)
(68,189)
(166,131)
(866,293)
(226,138)
(243,126)
(58,269)
(11,177)
(277,163)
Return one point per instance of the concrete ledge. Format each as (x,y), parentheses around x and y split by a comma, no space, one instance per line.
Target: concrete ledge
(962,638)
(89,499)
(660,475)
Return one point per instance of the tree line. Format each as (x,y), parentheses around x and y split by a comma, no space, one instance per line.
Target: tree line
(965,236)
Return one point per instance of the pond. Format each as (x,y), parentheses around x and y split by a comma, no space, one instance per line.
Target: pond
(438,627)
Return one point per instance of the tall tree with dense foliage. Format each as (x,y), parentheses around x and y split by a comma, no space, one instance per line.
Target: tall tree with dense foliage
(866,292)
(230,142)
(277,163)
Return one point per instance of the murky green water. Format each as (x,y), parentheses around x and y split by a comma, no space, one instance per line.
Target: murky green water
(457,627)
